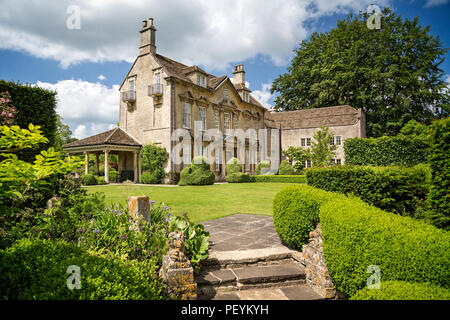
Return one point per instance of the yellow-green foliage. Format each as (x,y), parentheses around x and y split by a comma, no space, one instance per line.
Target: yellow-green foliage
(400,290)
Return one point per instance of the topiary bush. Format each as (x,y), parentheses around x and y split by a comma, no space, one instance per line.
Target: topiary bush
(149,178)
(296,213)
(397,150)
(357,235)
(37,270)
(285,168)
(89,180)
(238,177)
(197,173)
(263,167)
(400,290)
(395,189)
(233,166)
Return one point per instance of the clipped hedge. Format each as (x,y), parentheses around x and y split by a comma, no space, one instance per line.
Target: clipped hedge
(197,173)
(36,270)
(296,213)
(395,189)
(238,177)
(263,166)
(233,166)
(286,169)
(357,235)
(149,178)
(397,150)
(400,290)
(279,178)
(439,197)
(89,180)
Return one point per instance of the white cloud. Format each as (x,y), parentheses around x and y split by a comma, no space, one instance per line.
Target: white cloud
(211,33)
(434,3)
(87,107)
(263,95)
(101,77)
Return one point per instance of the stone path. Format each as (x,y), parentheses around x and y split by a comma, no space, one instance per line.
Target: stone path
(247,261)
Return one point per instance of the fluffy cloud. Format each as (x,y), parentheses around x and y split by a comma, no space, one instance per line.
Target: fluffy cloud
(87,107)
(211,33)
(263,95)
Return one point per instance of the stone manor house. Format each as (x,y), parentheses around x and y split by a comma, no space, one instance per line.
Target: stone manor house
(158,96)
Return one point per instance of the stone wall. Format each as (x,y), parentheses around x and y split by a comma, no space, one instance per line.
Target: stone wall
(313,260)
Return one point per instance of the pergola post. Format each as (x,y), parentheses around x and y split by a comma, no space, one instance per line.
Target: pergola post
(106,166)
(96,165)
(135,166)
(86,163)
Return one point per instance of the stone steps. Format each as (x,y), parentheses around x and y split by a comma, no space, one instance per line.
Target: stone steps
(249,274)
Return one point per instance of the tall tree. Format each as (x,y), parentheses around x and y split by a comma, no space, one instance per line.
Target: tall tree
(392,73)
(63,134)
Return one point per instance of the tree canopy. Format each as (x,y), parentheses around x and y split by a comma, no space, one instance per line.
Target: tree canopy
(392,73)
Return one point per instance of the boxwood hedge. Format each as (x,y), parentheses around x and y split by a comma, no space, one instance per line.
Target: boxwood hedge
(238,177)
(197,173)
(357,235)
(400,290)
(37,270)
(279,178)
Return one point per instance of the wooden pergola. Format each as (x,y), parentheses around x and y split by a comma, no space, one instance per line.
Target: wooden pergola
(115,141)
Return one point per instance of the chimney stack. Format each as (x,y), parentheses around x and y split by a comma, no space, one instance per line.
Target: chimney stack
(239,75)
(147,37)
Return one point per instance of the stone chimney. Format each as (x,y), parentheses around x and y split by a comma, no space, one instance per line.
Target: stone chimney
(239,75)
(147,37)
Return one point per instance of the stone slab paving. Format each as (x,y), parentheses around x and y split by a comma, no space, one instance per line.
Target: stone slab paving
(245,238)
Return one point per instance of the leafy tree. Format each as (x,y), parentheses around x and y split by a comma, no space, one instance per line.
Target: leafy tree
(63,134)
(414,128)
(153,158)
(322,152)
(392,73)
(297,157)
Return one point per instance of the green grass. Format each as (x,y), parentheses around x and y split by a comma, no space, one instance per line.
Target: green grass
(202,202)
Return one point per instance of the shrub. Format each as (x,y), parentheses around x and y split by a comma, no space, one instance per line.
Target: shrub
(101,180)
(400,290)
(153,159)
(112,175)
(396,189)
(439,196)
(89,180)
(296,213)
(238,177)
(233,166)
(150,178)
(397,150)
(263,168)
(285,168)
(357,235)
(37,270)
(197,173)
(279,178)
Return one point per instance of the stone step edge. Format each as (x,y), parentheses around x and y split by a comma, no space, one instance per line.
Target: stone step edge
(235,257)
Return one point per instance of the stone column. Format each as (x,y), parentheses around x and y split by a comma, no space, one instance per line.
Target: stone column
(223,162)
(135,166)
(106,166)
(96,165)
(86,164)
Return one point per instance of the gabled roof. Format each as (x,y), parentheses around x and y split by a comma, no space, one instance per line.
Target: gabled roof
(313,118)
(114,136)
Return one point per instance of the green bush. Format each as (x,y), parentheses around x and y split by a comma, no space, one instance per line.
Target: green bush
(101,180)
(150,178)
(112,175)
(400,290)
(37,270)
(395,189)
(357,235)
(265,166)
(279,178)
(296,213)
(238,177)
(285,169)
(153,158)
(197,173)
(439,196)
(89,180)
(397,150)
(233,166)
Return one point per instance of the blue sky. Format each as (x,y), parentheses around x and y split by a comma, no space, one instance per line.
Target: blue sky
(86,66)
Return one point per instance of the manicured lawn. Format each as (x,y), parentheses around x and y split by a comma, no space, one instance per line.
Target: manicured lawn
(202,202)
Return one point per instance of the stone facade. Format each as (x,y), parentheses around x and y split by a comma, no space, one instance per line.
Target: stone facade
(156,89)
(313,260)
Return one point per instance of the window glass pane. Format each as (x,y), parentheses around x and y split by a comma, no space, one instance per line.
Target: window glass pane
(187,115)
(131,85)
